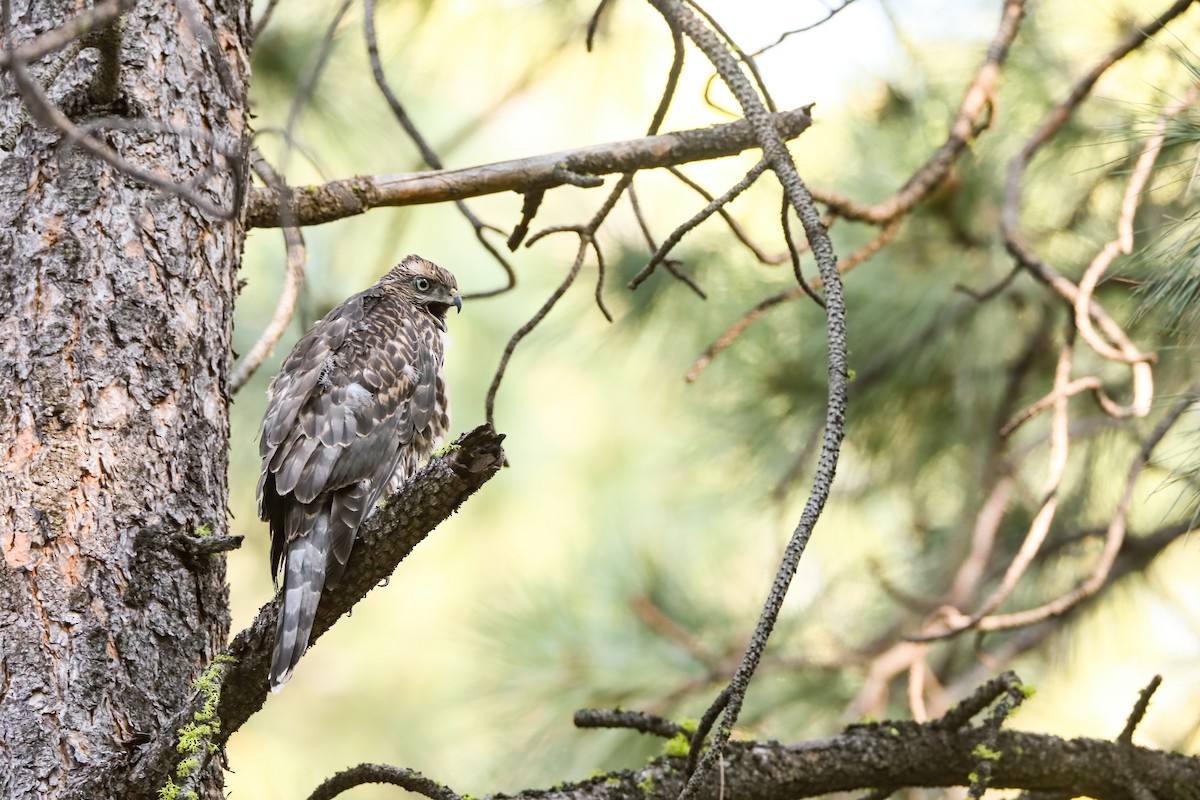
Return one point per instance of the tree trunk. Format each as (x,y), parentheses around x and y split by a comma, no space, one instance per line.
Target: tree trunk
(116,302)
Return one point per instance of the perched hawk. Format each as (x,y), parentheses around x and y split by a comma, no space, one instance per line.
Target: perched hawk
(358,403)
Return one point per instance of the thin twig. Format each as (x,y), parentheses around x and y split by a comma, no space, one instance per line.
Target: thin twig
(430,157)
(293,278)
(742,55)
(263,20)
(734,225)
(1114,536)
(793,251)
(1139,710)
(601,271)
(1123,243)
(983,696)
(587,232)
(830,14)
(1039,528)
(713,206)
(1024,255)
(983,538)
(969,121)
(658,621)
(48,115)
(305,91)
(633,720)
(594,23)
(66,34)
(539,315)
(1090,383)
(747,319)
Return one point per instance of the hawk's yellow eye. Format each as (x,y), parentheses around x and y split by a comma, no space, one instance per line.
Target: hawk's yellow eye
(422,284)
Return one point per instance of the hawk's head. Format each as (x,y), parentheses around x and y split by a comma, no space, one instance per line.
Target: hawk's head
(426,285)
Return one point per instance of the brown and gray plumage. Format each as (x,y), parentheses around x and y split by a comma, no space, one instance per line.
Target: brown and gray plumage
(357,405)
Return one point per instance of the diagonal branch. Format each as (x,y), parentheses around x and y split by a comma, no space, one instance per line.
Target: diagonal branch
(50,116)
(295,257)
(387,537)
(351,196)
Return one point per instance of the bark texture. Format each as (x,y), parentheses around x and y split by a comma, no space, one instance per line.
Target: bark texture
(115,312)
(895,755)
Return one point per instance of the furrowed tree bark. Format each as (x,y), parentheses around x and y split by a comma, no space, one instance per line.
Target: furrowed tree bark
(116,304)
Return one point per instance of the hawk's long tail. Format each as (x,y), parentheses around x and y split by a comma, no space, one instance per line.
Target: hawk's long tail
(304,578)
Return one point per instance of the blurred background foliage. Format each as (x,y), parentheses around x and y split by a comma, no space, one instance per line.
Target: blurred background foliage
(623,557)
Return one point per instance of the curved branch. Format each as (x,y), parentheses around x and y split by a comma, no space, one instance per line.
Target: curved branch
(295,256)
(427,153)
(1020,249)
(408,779)
(49,116)
(776,154)
(715,204)
(315,205)
(1113,539)
(747,319)
(968,123)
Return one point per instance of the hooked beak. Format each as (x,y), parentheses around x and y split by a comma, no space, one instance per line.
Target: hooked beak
(456,301)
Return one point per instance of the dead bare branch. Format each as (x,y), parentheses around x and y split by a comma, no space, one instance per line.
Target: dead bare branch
(1114,536)
(295,255)
(830,13)
(969,121)
(587,233)
(1139,710)
(430,157)
(746,320)
(949,621)
(734,226)
(346,198)
(715,204)
(48,115)
(1025,256)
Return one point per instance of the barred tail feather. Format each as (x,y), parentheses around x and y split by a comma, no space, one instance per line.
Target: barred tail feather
(304,578)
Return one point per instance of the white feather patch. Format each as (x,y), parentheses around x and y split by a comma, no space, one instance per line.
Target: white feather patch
(358,395)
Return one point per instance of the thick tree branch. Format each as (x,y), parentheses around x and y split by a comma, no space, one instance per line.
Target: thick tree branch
(423,503)
(427,499)
(902,754)
(346,198)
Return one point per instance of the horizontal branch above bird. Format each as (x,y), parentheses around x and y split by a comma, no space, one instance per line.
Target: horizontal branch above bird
(313,205)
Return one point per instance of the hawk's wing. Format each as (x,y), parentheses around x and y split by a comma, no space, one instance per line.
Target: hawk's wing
(356,390)
(352,402)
